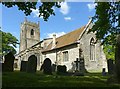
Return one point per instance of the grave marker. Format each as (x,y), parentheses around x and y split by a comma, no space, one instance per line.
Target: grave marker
(32,64)
(46,66)
(23,67)
(9,62)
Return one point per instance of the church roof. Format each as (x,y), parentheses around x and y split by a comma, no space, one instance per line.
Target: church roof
(65,40)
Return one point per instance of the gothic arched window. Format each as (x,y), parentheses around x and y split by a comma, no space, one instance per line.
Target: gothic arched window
(32,32)
(92,49)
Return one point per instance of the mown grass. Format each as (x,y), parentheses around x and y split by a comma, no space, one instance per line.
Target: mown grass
(22,79)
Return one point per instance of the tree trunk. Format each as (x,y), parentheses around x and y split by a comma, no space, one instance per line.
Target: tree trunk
(117,58)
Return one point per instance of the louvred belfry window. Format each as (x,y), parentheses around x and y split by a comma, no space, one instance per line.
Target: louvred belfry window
(32,32)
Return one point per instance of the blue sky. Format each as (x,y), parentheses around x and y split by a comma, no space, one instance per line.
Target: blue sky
(71,16)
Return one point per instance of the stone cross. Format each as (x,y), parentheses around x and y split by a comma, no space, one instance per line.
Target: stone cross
(77,64)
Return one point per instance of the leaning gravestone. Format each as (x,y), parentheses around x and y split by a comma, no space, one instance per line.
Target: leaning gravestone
(23,67)
(110,65)
(32,64)
(9,62)
(46,66)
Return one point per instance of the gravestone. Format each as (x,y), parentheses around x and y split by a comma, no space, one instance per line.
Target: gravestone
(110,65)
(53,67)
(9,62)
(80,67)
(23,67)
(61,69)
(46,66)
(103,72)
(32,64)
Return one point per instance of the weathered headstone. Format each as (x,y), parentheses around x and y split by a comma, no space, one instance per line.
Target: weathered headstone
(61,69)
(46,66)
(9,62)
(110,65)
(103,72)
(32,64)
(23,67)
(53,67)
(82,66)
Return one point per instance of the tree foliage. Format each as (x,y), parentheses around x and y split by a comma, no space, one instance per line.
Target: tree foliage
(106,20)
(107,24)
(107,28)
(45,9)
(9,43)
(109,51)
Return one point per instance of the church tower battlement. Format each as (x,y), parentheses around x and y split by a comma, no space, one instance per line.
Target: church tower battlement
(29,34)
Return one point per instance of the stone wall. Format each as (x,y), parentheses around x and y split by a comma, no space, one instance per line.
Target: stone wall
(100,59)
(73,53)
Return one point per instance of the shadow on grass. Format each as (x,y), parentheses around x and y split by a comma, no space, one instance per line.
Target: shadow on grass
(22,79)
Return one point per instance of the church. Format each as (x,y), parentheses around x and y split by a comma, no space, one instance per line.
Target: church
(64,50)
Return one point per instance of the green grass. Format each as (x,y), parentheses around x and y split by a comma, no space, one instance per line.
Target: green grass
(21,79)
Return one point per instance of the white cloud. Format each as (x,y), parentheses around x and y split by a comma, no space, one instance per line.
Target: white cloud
(91,6)
(58,34)
(67,18)
(35,12)
(53,8)
(64,8)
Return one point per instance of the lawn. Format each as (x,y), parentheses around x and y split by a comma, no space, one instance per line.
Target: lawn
(22,79)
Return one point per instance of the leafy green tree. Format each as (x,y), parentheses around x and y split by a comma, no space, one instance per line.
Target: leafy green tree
(45,8)
(109,51)
(107,21)
(107,25)
(9,43)
(107,28)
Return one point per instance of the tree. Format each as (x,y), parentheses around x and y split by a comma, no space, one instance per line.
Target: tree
(107,21)
(107,28)
(9,43)
(45,9)
(109,51)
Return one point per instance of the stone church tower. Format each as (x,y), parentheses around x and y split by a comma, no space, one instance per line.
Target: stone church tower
(29,34)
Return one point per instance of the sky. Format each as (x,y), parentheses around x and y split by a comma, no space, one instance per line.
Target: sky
(71,16)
